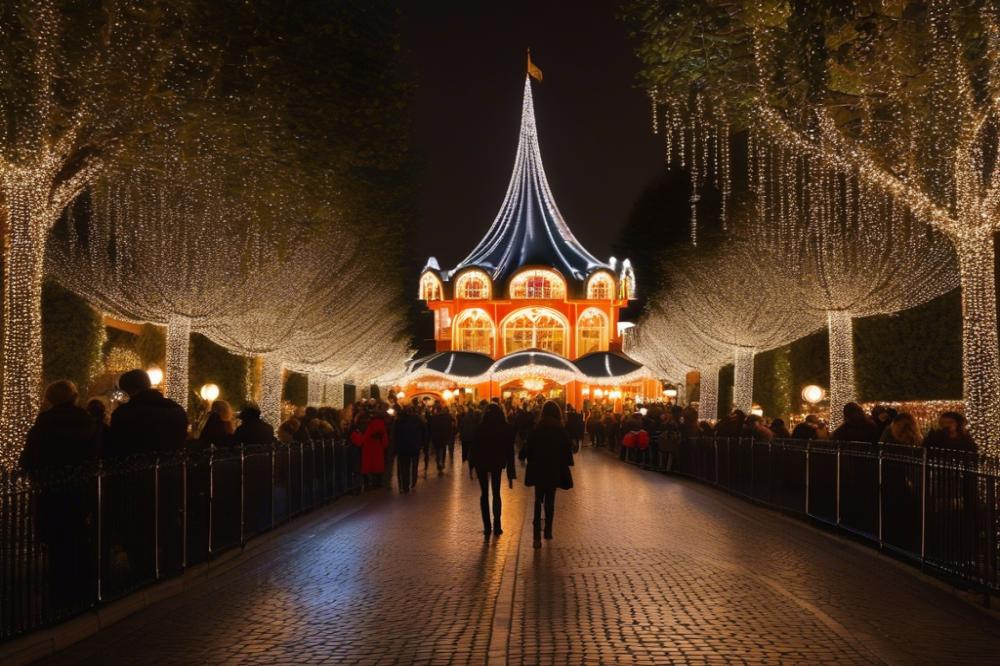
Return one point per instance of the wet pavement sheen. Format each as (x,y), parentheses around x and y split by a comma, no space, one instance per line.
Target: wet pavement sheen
(643,569)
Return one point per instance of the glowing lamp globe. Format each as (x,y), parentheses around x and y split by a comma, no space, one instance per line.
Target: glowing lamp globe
(585,390)
(155,375)
(757,410)
(598,392)
(813,394)
(390,411)
(401,395)
(209,392)
(447,394)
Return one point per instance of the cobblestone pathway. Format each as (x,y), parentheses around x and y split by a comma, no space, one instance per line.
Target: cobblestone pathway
(644,569)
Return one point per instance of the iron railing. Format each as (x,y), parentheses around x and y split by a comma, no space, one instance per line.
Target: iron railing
(76,538)
(938,508)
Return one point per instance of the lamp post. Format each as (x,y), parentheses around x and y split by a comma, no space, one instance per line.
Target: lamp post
(209,392)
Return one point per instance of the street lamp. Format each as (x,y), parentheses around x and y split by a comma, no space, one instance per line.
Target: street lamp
(813,394)
(209,392)
(155,375)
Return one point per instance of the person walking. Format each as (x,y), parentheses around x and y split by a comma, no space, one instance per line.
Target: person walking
(549,454)
(468,425)
(442,433)
(574,426)
(493,451)
(410,435)
(374,441)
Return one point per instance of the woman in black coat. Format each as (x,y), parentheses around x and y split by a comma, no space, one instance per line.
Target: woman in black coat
(549,452)
(492,451)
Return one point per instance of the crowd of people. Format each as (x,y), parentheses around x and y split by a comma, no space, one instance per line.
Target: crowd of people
(387,436)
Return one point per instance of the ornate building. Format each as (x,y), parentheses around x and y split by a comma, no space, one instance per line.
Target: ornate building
(530,310)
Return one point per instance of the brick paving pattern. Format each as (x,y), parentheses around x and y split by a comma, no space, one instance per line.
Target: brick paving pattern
(644,569)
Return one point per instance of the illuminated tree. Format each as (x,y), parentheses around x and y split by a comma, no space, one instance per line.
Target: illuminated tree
(170,251)
(903,97)
(724,303)
(80,81)
(848,255)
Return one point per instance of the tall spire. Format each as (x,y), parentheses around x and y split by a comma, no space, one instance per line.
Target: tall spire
(529,229)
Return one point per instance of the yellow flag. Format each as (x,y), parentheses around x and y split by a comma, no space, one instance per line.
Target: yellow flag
(533,71)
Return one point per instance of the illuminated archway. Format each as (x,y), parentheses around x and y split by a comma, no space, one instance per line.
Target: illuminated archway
(430,287)
(592,332)
(538,283)
(535,328)
(474,285)
(473,331)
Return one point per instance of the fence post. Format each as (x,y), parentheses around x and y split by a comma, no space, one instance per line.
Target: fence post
(288,478)
(100,529)
(272,485)
(881,495)
(808,448)
(715,446)
(184,512)
(156,519)
(243,496)
(753,466)
(211,495)
(923,506)
(838,484)
(302,477)
(990,534)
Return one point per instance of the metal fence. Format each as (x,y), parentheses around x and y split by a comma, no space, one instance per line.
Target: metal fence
(76,538)
(936,507)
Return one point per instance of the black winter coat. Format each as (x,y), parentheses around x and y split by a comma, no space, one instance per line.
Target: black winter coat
(442,429)
(253,431)
(63,435)
(214,433)
(549,452)
(574,425)
(494,446)
(147,423)
(410,434)
(861,429)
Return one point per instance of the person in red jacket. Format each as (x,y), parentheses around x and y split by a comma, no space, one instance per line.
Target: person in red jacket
(373,440)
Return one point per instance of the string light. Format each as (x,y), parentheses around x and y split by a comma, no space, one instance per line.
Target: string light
(925,144)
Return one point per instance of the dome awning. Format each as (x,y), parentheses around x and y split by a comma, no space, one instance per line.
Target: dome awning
(611,365)
(459,364)
(599,368)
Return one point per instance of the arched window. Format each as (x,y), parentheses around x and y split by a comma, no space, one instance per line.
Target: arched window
(535,328)
(600,287)
(473,332)
(473,285)
(537,284)
(430,287)
(591,332)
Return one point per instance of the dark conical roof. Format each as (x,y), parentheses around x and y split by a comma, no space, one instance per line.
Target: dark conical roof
(529,230)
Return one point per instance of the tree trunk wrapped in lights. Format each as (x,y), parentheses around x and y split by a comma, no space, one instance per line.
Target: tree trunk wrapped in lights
(271,383)
(743,379)
(78,88)
(708,398)
(315,389)
(178,351)
(904,103)
(841,363)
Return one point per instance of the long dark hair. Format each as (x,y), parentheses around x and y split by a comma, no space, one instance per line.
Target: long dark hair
(552,412)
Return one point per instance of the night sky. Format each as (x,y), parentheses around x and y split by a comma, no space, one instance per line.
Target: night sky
(594,126)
